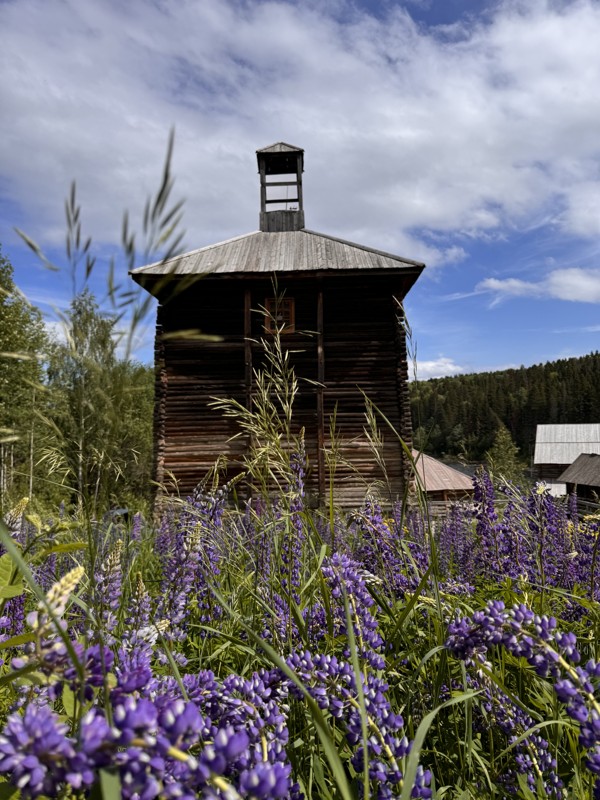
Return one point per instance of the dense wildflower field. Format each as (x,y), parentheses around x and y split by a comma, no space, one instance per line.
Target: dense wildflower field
(266,650)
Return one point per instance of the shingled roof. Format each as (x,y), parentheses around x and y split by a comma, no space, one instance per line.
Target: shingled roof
(584,471)
(287,251)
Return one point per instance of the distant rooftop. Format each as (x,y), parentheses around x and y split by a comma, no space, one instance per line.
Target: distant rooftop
(438,477)
(584,471)
(561,444)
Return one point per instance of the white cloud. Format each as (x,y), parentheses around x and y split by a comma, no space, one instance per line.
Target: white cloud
(575,284)
(438,368)
(404,129)
(579,285)
(133,344)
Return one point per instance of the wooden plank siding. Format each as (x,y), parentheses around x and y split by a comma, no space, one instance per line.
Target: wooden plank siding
(344,334)
(346,340)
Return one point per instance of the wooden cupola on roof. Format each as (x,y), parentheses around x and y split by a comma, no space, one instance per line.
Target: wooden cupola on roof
(338,309)
(281,206)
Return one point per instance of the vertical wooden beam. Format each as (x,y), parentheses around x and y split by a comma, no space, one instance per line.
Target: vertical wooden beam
(263,217)
(404,411)
(299,182)
(248,347)
(320,389)
(160,401)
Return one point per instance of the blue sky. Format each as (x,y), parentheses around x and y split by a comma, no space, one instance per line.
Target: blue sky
(461,133)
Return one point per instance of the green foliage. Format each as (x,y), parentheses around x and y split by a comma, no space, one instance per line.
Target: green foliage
(22,338)
(99,415)
(459,415)
(91,430)
(502,458)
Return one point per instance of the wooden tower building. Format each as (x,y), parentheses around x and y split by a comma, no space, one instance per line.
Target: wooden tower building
(340,312)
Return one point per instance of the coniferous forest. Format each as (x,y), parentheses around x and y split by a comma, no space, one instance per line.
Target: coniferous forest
(460,415)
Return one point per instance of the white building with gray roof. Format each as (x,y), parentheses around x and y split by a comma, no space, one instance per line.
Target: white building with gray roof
(557,447)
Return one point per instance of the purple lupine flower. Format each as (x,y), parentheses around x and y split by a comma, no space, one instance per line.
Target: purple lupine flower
(179,577)
(135,533)
(266,780)
(35,751)
(291,551)
(332,684)
(385,550)
(94,749)
(134,670)
(106,592)
(181,723)
(553,654)
(345,577)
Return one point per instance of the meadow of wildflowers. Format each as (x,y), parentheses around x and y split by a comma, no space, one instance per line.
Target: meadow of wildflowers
(264,650)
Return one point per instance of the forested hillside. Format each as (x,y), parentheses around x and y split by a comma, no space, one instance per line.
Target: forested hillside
(459,416)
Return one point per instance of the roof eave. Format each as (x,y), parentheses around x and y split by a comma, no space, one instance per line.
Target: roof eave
(153,281)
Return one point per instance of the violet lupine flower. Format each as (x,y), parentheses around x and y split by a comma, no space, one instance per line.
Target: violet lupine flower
(346,578)
(215,720)
(134,665)
(135,534)
(135,718)
(106,592)
(51,657)
(278,623)
(549,540)
(265,780)
(454,546)
(532,756)
(552,654)
(182,724)
(487,562)
(133,670)
(332,684)
(94,749)
(179,577)
(96,660)
(15,611)
(386,551)
(35,751)
(291,551)
(573,509)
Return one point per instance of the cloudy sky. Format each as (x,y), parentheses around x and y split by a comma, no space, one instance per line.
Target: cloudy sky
(463,133)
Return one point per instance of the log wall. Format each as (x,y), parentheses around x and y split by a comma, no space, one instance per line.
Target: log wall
(348,340)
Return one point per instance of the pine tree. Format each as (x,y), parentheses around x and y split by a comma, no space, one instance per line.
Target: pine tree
(502,458)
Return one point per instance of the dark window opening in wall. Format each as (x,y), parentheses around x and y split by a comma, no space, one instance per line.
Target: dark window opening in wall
(280,315)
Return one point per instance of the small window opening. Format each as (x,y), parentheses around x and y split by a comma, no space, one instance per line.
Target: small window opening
(280,315)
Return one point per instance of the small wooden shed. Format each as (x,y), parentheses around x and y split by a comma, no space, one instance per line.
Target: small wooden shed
(441,482)
(342,322)
(583,477)
(557,447)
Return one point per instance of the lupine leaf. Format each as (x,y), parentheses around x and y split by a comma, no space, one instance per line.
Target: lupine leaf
(8,791)
(14,590)
(110,785)
(7,569)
